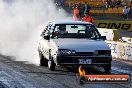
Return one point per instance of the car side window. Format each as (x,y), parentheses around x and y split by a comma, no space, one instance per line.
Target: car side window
(44,31)
(47,31)
(59,30)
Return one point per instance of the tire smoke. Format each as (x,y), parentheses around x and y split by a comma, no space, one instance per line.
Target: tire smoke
(21,23)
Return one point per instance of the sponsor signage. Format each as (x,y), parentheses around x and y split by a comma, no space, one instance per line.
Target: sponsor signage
(122,25)
(120,50)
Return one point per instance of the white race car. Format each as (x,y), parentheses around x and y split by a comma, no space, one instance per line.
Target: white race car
(73,43)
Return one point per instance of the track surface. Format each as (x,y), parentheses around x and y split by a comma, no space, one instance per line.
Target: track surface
(18,74)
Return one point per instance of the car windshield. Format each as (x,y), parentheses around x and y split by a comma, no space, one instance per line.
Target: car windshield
(75,31)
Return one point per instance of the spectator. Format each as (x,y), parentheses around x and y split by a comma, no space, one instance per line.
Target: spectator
(80,9)
(86,8)
(124,2)
(76,17)
(109,3)
(76,10)
(125,12)
(106,5)
(87,18)
(130,11)
(112,3)
(118,3)
(73,5)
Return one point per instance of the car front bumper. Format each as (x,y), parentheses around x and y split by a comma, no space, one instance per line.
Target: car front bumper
(69,60)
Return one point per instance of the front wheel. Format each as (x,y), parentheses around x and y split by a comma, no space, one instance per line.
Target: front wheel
(107,68)
(43,61)
(51,64)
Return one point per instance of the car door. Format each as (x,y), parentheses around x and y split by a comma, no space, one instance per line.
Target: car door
(52,45)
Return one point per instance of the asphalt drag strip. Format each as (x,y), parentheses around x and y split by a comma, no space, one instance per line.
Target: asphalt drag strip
(18,74)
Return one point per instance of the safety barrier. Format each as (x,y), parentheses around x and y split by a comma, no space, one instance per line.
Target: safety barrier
(127,39)
(111,34)
(121,50)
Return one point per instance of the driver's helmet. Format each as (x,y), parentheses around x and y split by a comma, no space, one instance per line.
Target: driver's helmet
(62,29)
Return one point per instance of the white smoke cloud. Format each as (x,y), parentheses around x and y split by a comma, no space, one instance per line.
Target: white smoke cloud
(21,23)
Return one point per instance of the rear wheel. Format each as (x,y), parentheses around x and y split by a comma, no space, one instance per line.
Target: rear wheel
(107,68)
(43,61)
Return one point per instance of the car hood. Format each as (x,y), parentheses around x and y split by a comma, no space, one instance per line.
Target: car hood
(81,45)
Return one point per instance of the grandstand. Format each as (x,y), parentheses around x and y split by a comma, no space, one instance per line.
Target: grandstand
(98,8)
(110,17)
(92,3)
(109,11)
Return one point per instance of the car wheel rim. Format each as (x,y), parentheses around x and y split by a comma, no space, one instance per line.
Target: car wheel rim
(49,63)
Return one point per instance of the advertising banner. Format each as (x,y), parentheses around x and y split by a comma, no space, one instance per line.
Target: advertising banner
(121,50)
(121,25)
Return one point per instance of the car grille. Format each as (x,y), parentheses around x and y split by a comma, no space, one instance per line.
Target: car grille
(100,52)
(84,53)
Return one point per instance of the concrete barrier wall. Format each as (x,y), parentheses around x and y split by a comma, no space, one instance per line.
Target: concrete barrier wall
(127,39)
(121,50)
(111,34)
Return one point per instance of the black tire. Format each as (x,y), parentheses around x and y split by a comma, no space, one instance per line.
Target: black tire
(43,61)
(51,64)
(82,80)
(107,68)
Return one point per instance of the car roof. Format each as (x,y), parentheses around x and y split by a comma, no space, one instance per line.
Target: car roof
(71,22)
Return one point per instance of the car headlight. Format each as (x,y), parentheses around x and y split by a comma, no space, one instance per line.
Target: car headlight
(66,51)
(96,52)
(102,52)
